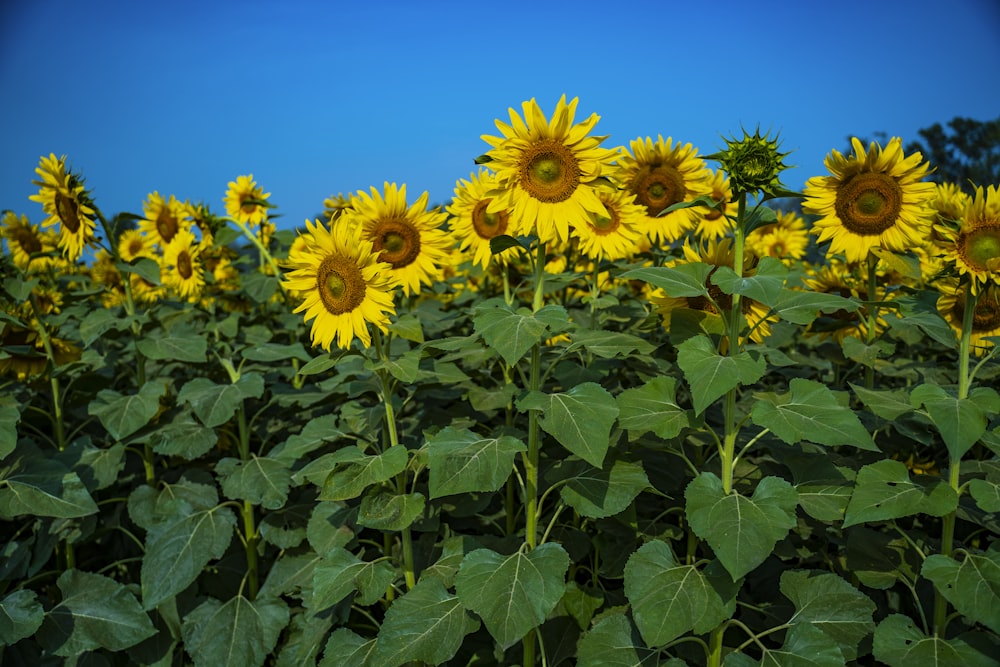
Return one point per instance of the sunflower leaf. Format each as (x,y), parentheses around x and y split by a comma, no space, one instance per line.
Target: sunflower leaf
(462,462)
(653,407)
(972,585)
(597,493)
(764,286)
(613,640)
(810,411)
(711,374)
(800,307)
(121,415)
(899,643)
(511,334)
(235,633)
(579,419)
(884,490)
(960,421)
(189,348)
(686,280)
(144,267)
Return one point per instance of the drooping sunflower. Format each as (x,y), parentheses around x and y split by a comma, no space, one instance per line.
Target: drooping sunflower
(25,239)
(616,235)
(662,174)
(246,201)
(974,245)
(24,353)
(164,218)
(872,199)
(67,204)
(473,225)
(786,239)
(545,170)
(985,321)
(183,272)
(408,238)
(712,222)
(345,285)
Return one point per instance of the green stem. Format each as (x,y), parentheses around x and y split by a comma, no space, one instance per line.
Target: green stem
(872,314)
(715,646)
(250,536)
(733,330)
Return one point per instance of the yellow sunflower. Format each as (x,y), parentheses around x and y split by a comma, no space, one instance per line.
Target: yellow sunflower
(974,245)
(105,273)
(132,244)
(25,239)
(409,238)
(841,279)
(246,201)
(613,236)
(986,319)
(712,222)
(472,225)
(786,239)
(22,352)
(164,218)
(662,174)
(345,285)
(63,198)
(183,273)
(872,199)
(545,170)
(335,205)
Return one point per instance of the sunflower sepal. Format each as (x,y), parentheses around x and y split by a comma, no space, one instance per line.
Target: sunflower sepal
(485,158)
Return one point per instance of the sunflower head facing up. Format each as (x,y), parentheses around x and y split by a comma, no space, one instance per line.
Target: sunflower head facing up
(343,283)
(660,174)
(473,225)
(545,170)
(973,246)
(67,204)
(246,201)
(872,199)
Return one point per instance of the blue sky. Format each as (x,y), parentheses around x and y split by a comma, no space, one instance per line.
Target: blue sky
(316,98)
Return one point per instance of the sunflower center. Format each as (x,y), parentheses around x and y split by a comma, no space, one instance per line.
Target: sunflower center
(987,315)
(869,203)
(657,187)
(29,242)
(982,248)
(184,264)
(603,225)
(340,285)
(397,242)
(166,225)
(486,224)
(67,210)
(549,171)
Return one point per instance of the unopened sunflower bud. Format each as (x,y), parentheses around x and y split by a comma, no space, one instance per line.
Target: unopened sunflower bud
(753,164)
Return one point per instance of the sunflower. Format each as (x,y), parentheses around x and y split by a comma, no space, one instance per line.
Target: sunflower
(133,244)
(712,222)
(841,279)
(63,198)
(986,319)
(409,238)
(545,170)
(246,202)
(974,245)
(335,205)
(473,225)
(105,273)
(25,239)
(164,218)
(872,199)
(662,174)
(614,236)
(345,285)
(22,352)
(183,271)
(786,239)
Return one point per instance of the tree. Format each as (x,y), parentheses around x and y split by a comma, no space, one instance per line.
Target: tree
(967,153)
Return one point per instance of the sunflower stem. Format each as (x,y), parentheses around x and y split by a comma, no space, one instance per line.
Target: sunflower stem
(872,314)
(265,254)
(251,537)
(57,412)
(955,462)
(733,330)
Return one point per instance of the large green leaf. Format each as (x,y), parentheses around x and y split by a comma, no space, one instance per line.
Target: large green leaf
(653,407)
(184,437)
(764,286)
(804,646)
(316,432)
(810,411)
(742,531)
(261,480)
(327,528)
(215,404)
(972,585)
(685,280)
(179,548)
(710,374)
(669,599)
(800,307)
(271,352)
(885,403)
(599,492)
(124,415)
(825,601)
(899,643)
(884,490)
(356,471)
(236,633)
(512,594)
(10,415)
(508,332)
(31,484)
(341,573)
(347,649)
(579,419)
(383,509)
(21,614)
(609,344)
(960,421)
(461,461)
(614,642)
(427,624)
(95,612)
(186,348)
(986,494)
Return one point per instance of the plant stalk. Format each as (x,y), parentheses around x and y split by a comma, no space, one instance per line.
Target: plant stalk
(733,330)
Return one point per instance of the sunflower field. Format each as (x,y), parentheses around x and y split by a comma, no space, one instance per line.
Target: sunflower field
(608,406)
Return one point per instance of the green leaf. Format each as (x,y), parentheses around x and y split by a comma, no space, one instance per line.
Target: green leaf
(510,333)
(653,407)
(183,437)
(327,528)
(237,633)
(320,364)
(804,646)
(802,308)
(461,461)
(899,643)
(146,268)
(829,603)
(316,432)
(21,614)
(986,494)
(408,327)
(710,374)
(95,612)
(825,500)
(614,642)
(33,485)
(215,404)
(504,241)
(97,322)
(258,286)
(597,493)
(262,481)
(179,548)
(685,280)
(810,411)
(960,421)
(350,478)
(742,531)
(764,286)
(189,348)
(512,594)
(884,490)
(580,419)
(347,649)
(972,585)
(382,509)
(886,403)
(271,352)
(340,573)
(427,624)
(865,354)
(609,344)
(669,599)
(121,415)
(10,415)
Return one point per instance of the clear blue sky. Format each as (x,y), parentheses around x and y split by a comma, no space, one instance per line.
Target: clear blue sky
(316,98)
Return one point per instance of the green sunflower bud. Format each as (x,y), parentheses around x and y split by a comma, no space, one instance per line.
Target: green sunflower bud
(753,164)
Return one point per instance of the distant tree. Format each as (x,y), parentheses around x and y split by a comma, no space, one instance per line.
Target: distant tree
(967,153)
